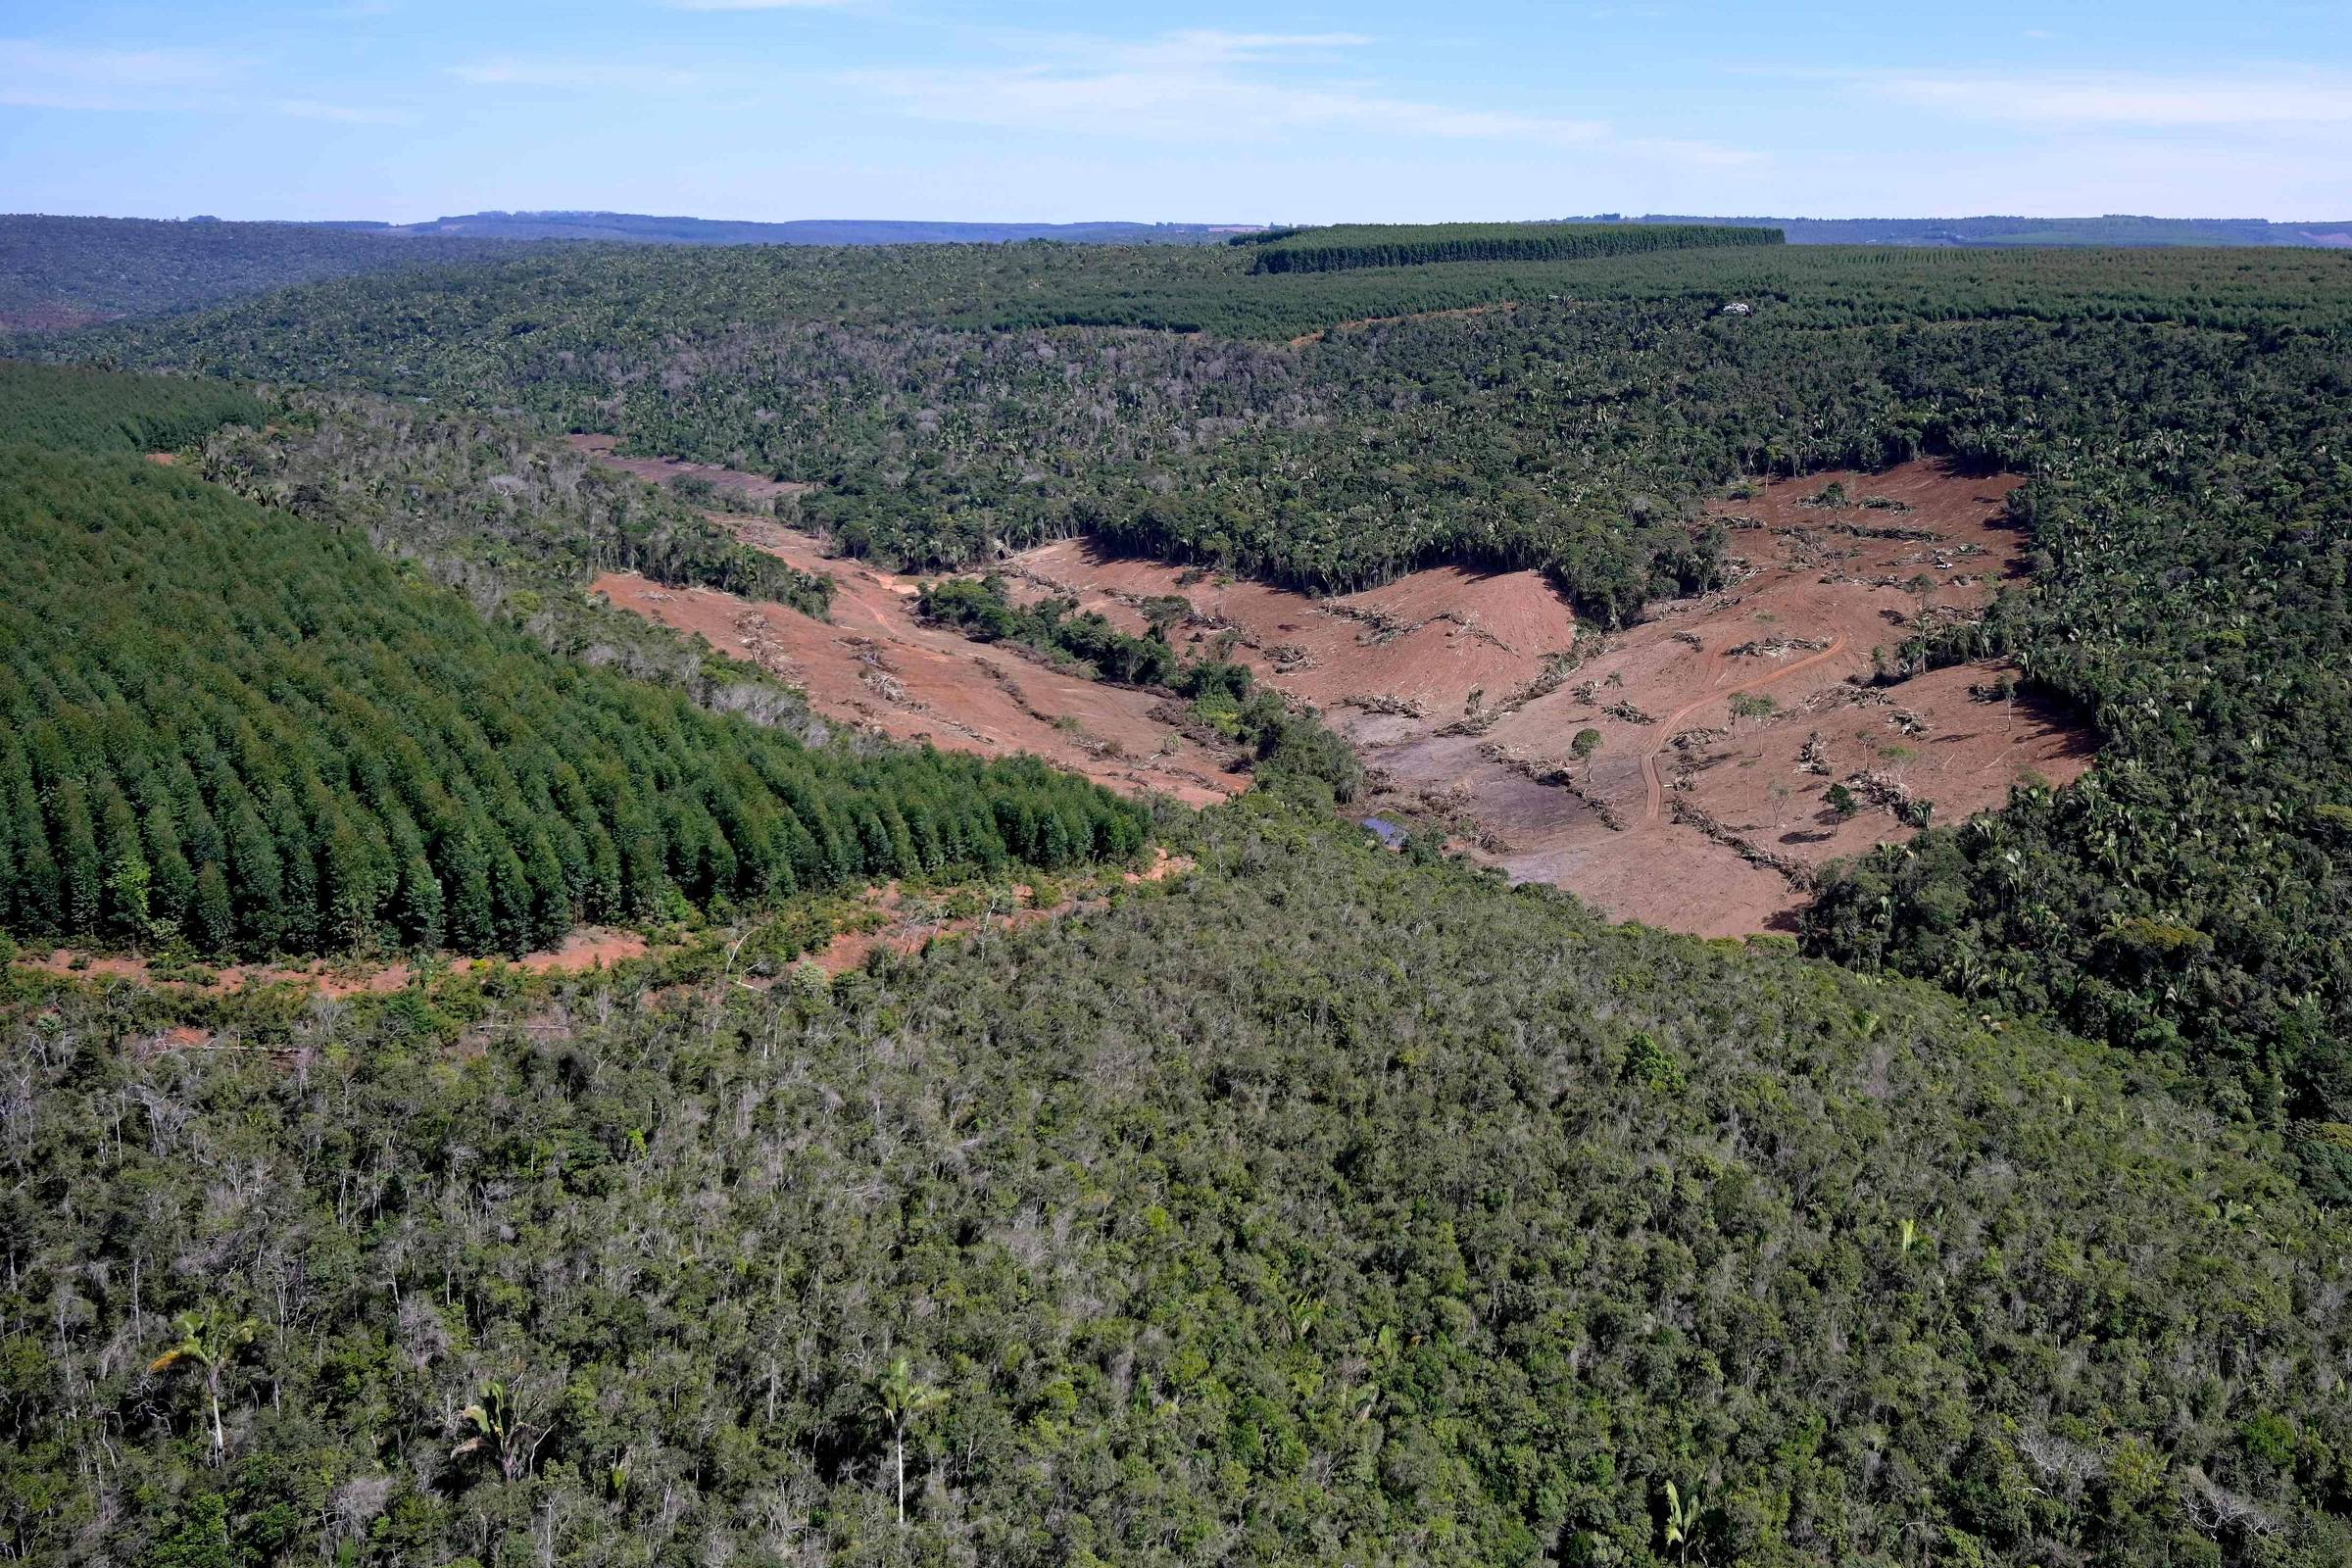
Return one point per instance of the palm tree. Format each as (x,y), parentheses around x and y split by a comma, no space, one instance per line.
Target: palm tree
(206,1339)
(502,1429)
(1681,1518)
(900,1401)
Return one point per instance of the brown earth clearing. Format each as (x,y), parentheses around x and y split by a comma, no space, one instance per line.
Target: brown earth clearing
(585,948)
(877,666)
(1465,692)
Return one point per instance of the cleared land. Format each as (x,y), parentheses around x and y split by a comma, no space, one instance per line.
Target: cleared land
(1724,722)
(751,487)
(1465,694)
(876,667)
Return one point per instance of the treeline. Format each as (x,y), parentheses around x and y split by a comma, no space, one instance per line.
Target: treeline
(1313,1208)
(82,409)
(1281,746)
(482,501)
(1346,246)
(225,727)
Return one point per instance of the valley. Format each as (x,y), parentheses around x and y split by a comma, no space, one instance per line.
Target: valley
(1719,724)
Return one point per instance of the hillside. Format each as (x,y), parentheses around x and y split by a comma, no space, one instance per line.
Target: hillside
(641,228)
(230,730)
(931,1179)
(60,272)
(2190,897)
(1320,1206)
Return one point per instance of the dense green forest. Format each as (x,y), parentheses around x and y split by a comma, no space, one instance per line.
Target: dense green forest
(96,411)
(233,730)
(58,271)
(1322,1204)
(1318,1206)
(2183,414)
(1346,246)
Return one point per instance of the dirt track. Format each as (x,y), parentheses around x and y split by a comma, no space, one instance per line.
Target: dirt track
(585,947)
(1665,732)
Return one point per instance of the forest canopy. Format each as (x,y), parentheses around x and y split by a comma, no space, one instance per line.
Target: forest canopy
(1317,1207)
(230,727)
(1346,246)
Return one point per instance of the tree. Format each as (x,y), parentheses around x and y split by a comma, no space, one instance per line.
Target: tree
(901,1401)
(206,1341)
(1587,742)
(1681,1519)
(505,1430)
(215,921)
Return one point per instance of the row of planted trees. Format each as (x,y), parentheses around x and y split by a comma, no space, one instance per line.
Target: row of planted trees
(225,725)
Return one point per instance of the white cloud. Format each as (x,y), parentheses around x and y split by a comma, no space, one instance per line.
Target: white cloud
(2124,100)
(44,75)
(580,76)
(342,113)
(1202,85)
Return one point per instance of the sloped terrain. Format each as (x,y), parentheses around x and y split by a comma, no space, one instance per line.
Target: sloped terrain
(875,666)
(1702,809)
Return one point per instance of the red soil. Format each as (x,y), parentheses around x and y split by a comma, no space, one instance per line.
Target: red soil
(907,928)
(1458,689)
(1429,639)
(876,667)
(1396,670)
(586,947)
(750,486)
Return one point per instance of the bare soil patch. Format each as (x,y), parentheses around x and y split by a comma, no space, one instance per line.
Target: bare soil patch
(586,947)
(1691,814)
(1723,721)
(876,667)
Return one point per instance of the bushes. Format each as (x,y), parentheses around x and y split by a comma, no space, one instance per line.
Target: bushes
(982,611)
(1312,1207)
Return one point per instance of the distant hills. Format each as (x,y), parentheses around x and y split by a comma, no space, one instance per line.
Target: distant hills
(2114,229)
(640,229)
(57,273)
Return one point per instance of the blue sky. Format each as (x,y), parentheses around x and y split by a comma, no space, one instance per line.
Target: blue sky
(1038,110)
